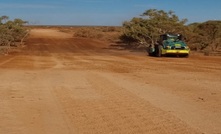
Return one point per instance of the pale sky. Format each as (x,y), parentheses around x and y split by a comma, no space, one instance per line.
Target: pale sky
(104,12)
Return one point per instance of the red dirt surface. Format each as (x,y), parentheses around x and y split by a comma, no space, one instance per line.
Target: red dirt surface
(57,84)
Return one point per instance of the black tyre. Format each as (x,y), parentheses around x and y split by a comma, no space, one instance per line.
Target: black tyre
(187,56)
(159,51)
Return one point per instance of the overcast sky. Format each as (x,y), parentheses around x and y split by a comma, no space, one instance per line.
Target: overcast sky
(104,12)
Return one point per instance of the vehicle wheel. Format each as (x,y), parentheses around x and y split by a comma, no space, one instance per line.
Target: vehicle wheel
(151,53)
(159,51)
(187,56)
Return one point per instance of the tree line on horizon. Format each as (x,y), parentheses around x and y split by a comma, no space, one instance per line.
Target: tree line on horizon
(145,30)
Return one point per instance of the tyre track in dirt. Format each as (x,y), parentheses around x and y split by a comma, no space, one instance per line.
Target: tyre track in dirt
(28,105)
(59,84)
(159,96)
(6,61)
(112,109)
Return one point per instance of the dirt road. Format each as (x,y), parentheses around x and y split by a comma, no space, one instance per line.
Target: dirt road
(57,84)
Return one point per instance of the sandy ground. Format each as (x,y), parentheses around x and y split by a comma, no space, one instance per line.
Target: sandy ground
(57,84)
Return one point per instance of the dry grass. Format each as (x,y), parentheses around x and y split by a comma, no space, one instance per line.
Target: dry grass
(103,33)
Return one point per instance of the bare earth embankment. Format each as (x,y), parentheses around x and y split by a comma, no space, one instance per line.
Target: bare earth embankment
(63,85)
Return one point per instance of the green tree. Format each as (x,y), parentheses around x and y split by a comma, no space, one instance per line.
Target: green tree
(11,31)
(206,35)
(147,28)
